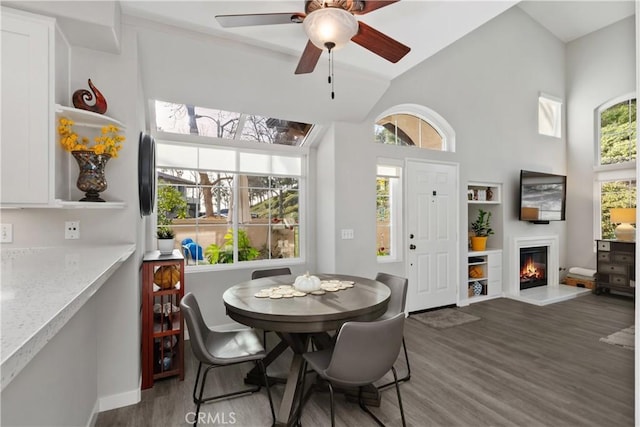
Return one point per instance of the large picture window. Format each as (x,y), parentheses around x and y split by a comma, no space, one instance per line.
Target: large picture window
(617,132)
(617,135)
(225,203)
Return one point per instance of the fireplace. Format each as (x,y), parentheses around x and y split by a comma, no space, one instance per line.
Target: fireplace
(533,267)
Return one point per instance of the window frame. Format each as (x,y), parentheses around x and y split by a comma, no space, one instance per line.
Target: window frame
(598,166)
(434,119)
(625,171)
(198,141)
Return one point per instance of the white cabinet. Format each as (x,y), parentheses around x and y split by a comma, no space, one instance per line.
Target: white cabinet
(484,278)
(34,169)
(484,268)
(27,108)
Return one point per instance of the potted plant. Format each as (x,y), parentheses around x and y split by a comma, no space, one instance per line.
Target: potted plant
(481,228)
(165,237)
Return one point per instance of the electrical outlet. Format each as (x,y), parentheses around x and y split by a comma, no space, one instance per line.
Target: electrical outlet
(72,229)
(6,233)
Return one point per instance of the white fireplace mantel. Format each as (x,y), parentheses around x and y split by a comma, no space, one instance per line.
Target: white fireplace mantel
(541,295)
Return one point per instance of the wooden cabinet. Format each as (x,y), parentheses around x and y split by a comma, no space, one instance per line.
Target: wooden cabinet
(616,266)
(162,321)
(484,275)
(27,104)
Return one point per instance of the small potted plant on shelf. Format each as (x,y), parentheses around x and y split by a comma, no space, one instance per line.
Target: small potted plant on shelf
(481,228)
(165,237)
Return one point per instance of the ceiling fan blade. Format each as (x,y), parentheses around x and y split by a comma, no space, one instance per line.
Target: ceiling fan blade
(380,44)
(309,59)
(228,21)
(371,5)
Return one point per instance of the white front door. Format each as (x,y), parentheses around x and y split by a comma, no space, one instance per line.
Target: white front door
(432,224)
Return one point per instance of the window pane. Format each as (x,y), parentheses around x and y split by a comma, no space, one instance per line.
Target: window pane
(255,163)
(618,133)
(615,194)
(176,156)
(549,116)
(274,131)
(281,165)
(217,159)
(216,123)
(407,130)
(190,119)
(383,217)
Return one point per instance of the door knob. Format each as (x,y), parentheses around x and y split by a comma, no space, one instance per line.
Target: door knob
(411,236)
(412,247)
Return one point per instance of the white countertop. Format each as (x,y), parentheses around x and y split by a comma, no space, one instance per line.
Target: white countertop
(41,289)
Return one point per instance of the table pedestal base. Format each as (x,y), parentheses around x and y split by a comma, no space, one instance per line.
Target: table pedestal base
(290,406)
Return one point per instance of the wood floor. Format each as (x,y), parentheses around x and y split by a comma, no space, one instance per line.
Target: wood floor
(520,365)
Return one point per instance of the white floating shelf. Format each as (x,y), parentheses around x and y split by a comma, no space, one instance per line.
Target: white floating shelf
(87,118)
(65,204)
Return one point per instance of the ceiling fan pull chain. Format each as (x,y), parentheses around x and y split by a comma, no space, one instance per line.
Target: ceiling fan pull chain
(330,47)
(332,78)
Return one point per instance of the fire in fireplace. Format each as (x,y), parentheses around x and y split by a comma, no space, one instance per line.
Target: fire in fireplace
(533,267)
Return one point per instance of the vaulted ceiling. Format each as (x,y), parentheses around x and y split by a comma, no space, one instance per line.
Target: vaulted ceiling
(425,26)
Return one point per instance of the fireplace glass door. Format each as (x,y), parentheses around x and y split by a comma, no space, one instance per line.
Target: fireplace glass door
(533,267)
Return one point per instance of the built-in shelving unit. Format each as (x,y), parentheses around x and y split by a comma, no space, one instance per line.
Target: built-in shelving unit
(65,167)
(484,275)
(484,268)
(484,193)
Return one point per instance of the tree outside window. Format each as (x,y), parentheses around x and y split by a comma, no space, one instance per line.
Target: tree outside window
(617,139)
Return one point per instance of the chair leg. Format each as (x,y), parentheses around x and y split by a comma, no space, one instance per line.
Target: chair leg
(195,386)
(395,377)
(365,409)
(407,377)
(260,364)
(331,401)
(199,401)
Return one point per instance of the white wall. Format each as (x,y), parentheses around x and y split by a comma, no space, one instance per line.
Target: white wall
(600,67)
(114,317)
(59,385)
(486,86)
(218,73)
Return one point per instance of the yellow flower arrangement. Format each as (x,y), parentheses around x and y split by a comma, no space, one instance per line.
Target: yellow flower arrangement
(108,142)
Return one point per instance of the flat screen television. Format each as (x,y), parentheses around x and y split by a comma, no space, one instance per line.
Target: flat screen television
(542,197)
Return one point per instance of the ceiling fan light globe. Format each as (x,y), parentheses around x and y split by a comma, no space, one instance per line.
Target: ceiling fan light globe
(330,25)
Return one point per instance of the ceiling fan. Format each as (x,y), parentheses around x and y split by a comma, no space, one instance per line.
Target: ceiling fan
(328,24)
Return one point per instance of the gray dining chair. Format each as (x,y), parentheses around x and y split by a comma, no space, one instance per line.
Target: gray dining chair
(220,348)
(397,303)
(363,353)
(259,274)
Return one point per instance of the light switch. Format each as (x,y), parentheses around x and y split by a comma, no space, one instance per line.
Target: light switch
(347,233)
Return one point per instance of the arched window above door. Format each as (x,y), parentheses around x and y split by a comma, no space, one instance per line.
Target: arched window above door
(415,126)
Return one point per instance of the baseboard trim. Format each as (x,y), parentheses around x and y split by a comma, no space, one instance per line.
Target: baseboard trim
(119,400)
(94,415)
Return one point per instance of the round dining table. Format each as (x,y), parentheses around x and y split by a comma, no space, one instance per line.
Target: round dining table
(297,319)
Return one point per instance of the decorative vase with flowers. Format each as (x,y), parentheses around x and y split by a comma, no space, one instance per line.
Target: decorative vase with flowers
(92,159)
